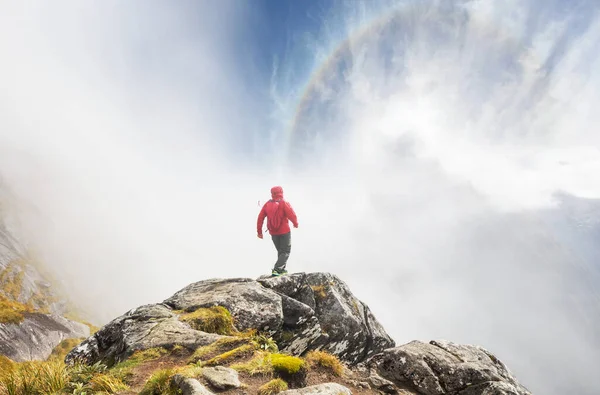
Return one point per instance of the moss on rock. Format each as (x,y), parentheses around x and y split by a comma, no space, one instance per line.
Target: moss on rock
(291,369)
(287,363)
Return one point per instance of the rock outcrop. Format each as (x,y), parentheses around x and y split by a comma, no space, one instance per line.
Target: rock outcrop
(139,329)
(31,322)
(189,386)
(442,367)
(251,304)
(37,335)
(320,389)
(320,312)
(221,378)
(301,312)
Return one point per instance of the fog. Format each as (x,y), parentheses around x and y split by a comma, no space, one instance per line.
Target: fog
(138,143)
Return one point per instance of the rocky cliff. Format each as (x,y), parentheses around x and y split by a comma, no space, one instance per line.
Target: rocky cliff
(31,311)
(244,332)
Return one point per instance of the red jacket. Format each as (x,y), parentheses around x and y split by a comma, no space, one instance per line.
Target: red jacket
(279,210)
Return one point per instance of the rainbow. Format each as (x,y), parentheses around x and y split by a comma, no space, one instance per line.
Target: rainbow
(325,68)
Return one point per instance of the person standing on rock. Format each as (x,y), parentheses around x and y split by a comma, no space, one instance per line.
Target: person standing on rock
(278,212)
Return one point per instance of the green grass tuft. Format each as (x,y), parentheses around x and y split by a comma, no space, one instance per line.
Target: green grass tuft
(265,343)
(216,319)
(274,386)
(260,364)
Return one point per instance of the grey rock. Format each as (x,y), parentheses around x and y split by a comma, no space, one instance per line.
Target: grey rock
(347,327)
(189,386)
(139,329)
(38,334)
(28,285)
(321,389)
(382,384)
(442,367)
(491,388)
(300,329)
(302,312)
(221,378)
(251,305)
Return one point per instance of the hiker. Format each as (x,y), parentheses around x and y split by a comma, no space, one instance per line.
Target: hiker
(278,213)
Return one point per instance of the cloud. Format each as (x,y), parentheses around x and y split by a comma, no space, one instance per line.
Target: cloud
(427,156)
(437,138)
(115,123)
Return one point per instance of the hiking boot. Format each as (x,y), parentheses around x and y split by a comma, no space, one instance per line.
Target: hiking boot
(275,273)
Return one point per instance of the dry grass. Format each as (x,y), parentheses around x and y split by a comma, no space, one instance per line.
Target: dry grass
(319,291)
(229,356)
(54,377)
(11,279)
(11,312)
(35,378)
(220,346)
(260,364)
(106,383)
(6,366)
(325,360)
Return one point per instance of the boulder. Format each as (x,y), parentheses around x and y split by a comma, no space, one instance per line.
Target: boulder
(221,378)
(251,305)
(189,386)
(301,312)
(347,326)
(139,329)
(320,389)
(36,337)
(442,367)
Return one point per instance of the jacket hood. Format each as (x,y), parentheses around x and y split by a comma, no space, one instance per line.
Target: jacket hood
(277,193)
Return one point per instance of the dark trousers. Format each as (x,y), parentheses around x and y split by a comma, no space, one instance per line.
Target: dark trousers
(283,244)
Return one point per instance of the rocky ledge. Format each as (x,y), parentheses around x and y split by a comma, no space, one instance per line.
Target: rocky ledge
(36,336)
(301,313)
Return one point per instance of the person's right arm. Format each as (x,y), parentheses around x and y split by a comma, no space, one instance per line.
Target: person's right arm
(261,221)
